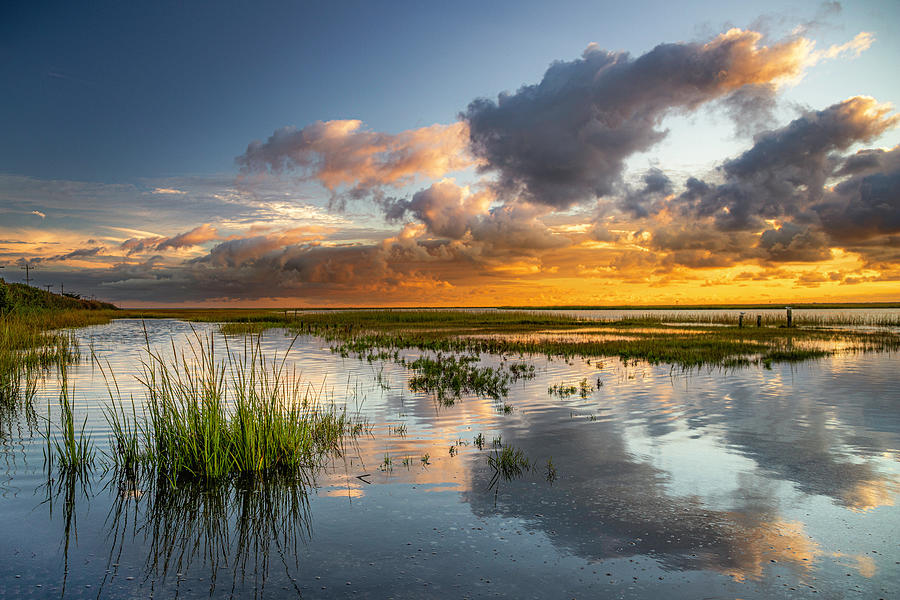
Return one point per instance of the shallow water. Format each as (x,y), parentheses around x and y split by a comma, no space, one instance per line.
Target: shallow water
(749,483)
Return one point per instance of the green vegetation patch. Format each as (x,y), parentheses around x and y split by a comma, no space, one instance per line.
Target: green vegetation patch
(211,419)
(681,339)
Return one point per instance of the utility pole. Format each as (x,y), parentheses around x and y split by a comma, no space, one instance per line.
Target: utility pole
(62,289)
(28,268)
(48,286)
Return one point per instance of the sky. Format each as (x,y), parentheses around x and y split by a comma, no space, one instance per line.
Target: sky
(451,154)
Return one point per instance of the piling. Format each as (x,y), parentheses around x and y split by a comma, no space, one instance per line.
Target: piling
(759,320)
(741,321)
(790,318)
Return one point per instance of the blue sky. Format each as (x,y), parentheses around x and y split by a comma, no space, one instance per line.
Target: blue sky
(114,91)
(114,100)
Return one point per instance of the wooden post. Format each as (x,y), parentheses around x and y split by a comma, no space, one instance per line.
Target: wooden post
(741,321)
(790,317)
(759,320)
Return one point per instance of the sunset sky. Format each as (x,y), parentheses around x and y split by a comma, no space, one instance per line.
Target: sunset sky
(462,153)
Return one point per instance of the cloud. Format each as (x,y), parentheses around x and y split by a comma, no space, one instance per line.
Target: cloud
(867,204)
(784,178)
(565,140)
(454,212)
(194,237)
(637,203)
(792,243)
(39,214)
(552,196)
(78,253)
(447,209)
(785,171)
(341,154)
(751,108)
(855,47)
(241,251)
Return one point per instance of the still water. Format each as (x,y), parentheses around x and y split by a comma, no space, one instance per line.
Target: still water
(749,483)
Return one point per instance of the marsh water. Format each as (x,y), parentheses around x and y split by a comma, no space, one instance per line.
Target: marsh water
(709,483)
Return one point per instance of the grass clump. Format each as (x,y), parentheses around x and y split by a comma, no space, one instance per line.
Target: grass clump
(209,418)
(70,448)
(508,463)
(449,376)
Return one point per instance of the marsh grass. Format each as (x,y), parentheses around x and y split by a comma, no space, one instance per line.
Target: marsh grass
(508,463)
(551,471)
(127,449)
(450,376)
(31,344)
(69,449)
(210,418)
(680,339)
(246,415)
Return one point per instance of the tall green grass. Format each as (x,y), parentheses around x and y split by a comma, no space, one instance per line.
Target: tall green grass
(34,341)
(69,448)
(209,417)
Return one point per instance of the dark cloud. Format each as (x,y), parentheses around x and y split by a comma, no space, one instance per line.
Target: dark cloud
(444,207)
(864,206)
(786,169)
(696,245)
(78,253)
(864,161)
(751,108)
(792,243)
(565,140)
(784,177)
(637,203)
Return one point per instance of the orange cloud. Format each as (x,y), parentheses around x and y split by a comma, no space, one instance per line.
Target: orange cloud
(196,236)
(342,154)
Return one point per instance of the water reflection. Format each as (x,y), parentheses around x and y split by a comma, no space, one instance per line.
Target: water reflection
(229,536)
(752,478)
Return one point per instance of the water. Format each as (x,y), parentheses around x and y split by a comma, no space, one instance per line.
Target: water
(748,483)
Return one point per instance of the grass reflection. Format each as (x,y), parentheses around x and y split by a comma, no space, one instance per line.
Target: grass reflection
(230,535)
